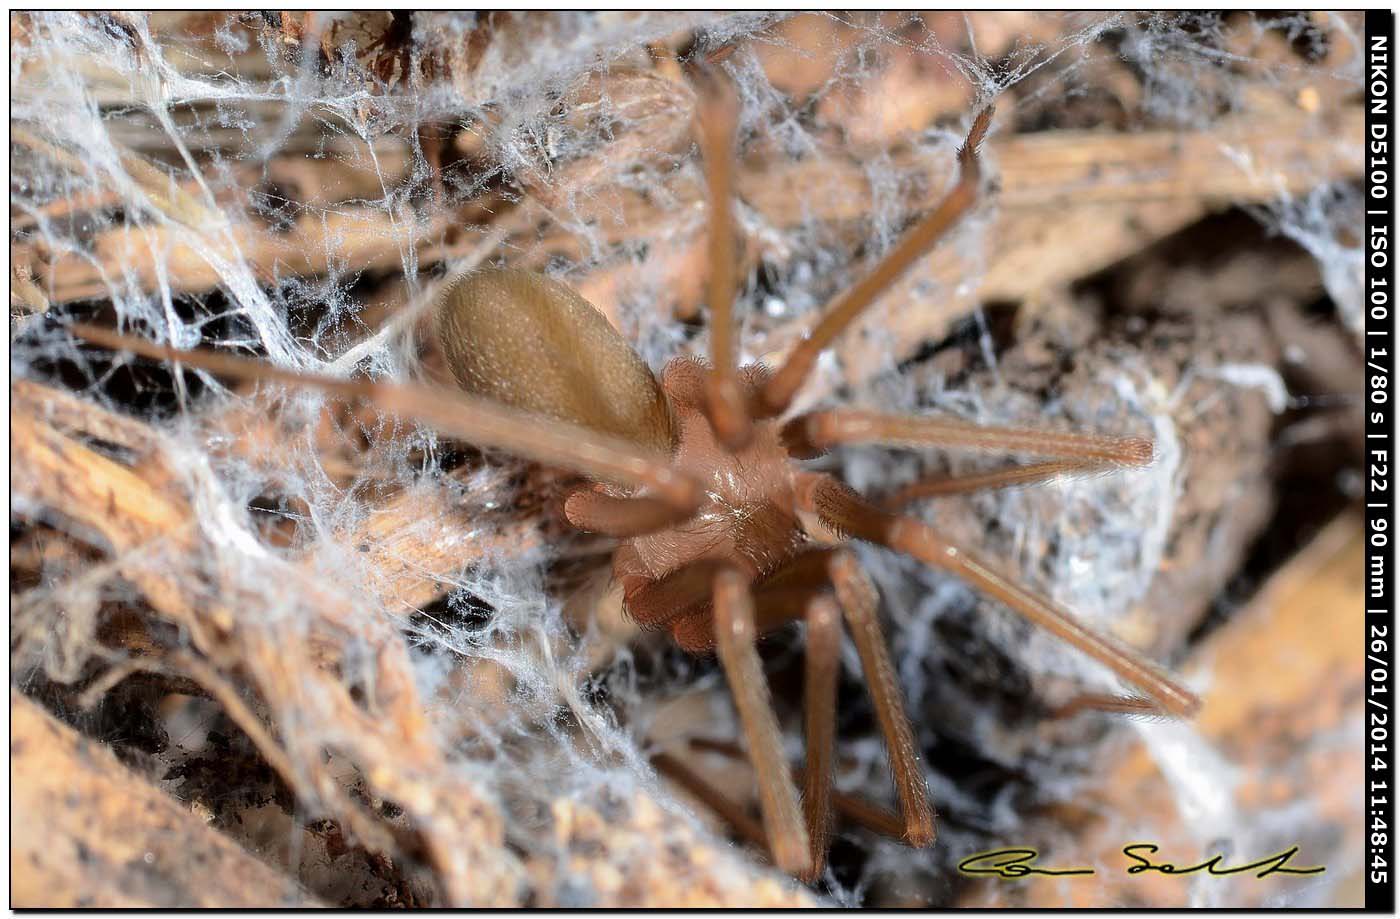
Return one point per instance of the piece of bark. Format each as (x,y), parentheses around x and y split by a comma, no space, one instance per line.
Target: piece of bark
(1246,159)
(1236,162)
(418,541)
(353,238)
(669,864)
(1243,159)
(69,413)
(190,579)
(86,832)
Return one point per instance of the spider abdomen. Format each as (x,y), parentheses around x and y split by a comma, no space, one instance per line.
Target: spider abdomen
(530,342)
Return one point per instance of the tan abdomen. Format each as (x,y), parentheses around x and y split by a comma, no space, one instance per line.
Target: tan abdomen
(534,344)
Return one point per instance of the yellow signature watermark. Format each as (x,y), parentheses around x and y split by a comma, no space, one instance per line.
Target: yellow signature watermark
(1013,863)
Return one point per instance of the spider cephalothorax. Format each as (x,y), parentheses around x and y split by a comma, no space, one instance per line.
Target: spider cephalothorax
(722,533)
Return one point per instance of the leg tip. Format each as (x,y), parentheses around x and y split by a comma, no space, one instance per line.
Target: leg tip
(920,834)
(813,872)
(795,860)
(920,840)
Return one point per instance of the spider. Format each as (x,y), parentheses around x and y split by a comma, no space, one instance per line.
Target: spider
(722,534)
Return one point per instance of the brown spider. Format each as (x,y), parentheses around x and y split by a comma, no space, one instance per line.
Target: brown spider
(723,536)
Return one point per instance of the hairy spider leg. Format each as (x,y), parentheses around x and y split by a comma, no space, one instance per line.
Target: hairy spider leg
(844,510)
(777,395)
(480,421)
(860,604)
(1030,474)
(735,636)
(1074,454)
(725,398)
(1104,702)
(622,517)
(744,826)
(813,433)
(683,593)
(850,807)
(800,590)
(821,668)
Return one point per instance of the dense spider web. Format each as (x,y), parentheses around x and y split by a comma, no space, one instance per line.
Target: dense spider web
(294,188)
